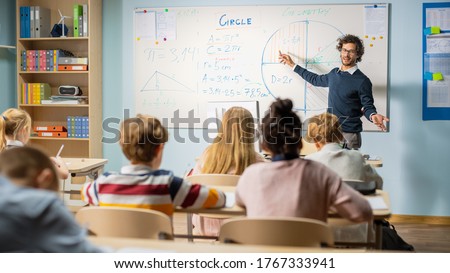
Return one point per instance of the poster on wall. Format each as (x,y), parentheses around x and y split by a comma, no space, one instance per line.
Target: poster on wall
(436,61)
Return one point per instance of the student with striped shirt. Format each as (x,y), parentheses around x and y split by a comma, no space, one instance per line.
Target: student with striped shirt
(142,184)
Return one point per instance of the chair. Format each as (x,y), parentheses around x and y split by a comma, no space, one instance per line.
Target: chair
(210,180)
(281,231)
(214,179)
(126,222)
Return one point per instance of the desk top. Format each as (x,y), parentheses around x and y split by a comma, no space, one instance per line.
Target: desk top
(77,165)
(149,245)
(236,210)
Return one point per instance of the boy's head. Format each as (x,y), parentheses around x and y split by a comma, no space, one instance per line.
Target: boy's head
(29,167)
(142,139)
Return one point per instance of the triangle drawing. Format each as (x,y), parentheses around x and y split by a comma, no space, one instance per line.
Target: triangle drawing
(161,82)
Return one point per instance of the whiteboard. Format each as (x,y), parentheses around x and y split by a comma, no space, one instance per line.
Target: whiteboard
(186,57)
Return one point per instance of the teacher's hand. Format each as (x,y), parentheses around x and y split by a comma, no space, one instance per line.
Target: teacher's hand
(285,59)
(379,120)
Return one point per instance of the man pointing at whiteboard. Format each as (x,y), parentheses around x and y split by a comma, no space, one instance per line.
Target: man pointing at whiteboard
(350,91)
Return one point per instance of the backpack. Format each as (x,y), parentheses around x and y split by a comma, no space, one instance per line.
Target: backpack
(391,239)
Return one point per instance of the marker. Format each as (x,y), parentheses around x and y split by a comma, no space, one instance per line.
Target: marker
(60,150)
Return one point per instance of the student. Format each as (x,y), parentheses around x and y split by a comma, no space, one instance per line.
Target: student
(325,131)
(29,167)
(34,220)
(142,184)
(232,151)
(350,91)
(291,186)
(15,130)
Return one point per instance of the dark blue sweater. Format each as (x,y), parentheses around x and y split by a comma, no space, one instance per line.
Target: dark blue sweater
(349,96)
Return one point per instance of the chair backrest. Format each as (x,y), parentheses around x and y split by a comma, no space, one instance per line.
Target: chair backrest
(281,231)
(214,179)
(126,222)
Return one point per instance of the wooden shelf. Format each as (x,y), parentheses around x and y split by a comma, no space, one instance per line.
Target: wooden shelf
(7,46)
(59,138)
(56,105)
(90,81)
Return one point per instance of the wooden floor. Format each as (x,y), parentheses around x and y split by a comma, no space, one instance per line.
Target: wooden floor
(425,238)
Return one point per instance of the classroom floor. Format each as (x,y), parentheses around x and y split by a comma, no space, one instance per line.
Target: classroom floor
(424,237)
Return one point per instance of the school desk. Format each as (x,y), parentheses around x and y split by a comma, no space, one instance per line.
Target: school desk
(114,244)
(379,201)
(81,170)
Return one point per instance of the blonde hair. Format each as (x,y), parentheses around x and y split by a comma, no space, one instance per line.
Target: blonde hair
(24,164)
(324,128)
(234,145)
(140,137)
(12,122)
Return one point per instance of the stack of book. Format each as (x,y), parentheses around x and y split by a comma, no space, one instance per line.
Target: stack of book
(78,126)
(50,131)
(65,99)
(35,93)
(73,63)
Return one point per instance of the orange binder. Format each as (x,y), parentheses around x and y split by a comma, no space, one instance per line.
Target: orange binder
(50,129)
(76,67)
(52,134)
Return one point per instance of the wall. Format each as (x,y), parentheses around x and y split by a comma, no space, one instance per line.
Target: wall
(7,56)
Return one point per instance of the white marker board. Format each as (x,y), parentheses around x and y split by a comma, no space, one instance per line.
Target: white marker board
(185,57)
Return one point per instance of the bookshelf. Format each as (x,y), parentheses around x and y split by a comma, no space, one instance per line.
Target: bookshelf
(89,81)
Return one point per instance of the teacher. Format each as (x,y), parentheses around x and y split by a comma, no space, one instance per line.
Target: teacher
(350,91)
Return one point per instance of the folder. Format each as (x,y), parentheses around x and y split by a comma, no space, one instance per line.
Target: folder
(27,22)
(72,67)
(77,11)
(49,129)
(42,22)
(22,22)
(52,134)
(32,25)
(85,20)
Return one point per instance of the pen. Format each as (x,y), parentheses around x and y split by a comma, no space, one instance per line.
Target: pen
(60,150)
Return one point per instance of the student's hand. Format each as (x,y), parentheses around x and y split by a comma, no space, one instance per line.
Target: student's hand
(379,120)
(61,168)
(285,59)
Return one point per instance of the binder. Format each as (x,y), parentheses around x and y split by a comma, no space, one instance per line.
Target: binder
(42,22)
(45,91)
(52,134)
(77,67)
(85,20)
(22,22)
(77,11)
(27,22)
(49,129)
(32,20)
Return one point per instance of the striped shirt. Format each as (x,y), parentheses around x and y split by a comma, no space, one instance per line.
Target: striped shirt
(139,186)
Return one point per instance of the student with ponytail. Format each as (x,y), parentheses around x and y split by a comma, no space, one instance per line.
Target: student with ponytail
(290,186)
(15,130)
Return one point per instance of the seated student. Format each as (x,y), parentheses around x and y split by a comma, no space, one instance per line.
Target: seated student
(232,151)
(142,184)
(35,220)
(325,131)
(291,186)
(29,167)
(15,130)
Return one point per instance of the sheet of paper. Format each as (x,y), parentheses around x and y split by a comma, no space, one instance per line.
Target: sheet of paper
(166,26)
(375,23)
(145,25)
(438,17)
(377,202)
(229,203)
